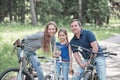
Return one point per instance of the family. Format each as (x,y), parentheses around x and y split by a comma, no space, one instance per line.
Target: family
(46,41)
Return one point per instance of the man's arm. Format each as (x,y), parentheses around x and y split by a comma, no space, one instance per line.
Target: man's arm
(79,60)
(94,46)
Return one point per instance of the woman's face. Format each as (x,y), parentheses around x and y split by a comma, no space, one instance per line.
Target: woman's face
(51,30)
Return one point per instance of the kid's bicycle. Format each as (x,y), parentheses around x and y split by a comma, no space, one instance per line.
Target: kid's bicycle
(52,75)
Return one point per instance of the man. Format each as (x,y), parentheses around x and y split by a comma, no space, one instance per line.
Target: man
(86,39)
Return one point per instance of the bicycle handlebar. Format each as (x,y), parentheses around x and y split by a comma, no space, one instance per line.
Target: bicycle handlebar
(41,57)
(19,43)
(79,48)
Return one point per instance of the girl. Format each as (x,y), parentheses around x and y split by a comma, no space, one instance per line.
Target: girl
(63,50)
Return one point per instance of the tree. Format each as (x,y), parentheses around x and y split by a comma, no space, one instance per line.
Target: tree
(33,14)
(80,9)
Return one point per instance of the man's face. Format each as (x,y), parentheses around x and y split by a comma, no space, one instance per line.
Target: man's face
(75,28)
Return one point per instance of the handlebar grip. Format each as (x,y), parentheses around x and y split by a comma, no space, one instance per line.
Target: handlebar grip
(113,54)
(16,42)
(41,57)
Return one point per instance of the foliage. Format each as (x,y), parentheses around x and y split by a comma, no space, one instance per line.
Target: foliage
(93,11)
(96,11)
(8,34)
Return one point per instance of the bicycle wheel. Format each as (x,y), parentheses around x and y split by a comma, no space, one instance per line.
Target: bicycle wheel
(48,77)
(87,76)
(95,76)
(11,74)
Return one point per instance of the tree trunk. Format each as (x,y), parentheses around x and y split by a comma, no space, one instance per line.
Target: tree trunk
(22,11)
(33,14)
(98,21)
(80,10)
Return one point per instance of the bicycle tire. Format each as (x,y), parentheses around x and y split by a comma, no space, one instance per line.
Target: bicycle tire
(95,76)
(87,76)
(48,77)
(11,74)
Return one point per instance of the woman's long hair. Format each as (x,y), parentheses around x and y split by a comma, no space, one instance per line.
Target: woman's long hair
(46,37)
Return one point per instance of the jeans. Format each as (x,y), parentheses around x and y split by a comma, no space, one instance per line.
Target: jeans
(64,67)
(35,63)
(100,67)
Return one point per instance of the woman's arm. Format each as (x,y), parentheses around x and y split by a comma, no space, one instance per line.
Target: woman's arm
(34,36)
(53,43)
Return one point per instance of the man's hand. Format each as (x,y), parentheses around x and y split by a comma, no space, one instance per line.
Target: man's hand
(84,65)
(71,71)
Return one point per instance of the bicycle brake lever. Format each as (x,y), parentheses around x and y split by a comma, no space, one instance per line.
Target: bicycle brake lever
(110,56)
(80,49)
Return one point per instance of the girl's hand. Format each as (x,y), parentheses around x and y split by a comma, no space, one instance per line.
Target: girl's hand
(56,55)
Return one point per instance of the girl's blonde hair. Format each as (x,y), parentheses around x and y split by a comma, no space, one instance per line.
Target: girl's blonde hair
(46,37)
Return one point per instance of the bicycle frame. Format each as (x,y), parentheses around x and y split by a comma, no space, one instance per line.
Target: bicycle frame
(91,69)
(53,73)
(23,61)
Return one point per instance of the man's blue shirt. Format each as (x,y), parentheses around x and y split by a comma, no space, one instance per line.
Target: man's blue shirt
(86,37)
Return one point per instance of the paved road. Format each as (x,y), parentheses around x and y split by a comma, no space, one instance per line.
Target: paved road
(113,64)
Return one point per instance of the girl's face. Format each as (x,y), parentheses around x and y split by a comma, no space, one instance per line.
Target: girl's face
(62,36)
(51,30)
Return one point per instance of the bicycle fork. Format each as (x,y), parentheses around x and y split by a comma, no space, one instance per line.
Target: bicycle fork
(19,75)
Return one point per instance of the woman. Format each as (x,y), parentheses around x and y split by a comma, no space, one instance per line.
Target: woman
(40,40)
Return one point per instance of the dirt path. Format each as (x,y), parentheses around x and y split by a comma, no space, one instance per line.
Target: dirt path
(113,64)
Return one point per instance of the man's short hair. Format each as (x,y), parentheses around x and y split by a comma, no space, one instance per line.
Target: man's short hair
(77,21)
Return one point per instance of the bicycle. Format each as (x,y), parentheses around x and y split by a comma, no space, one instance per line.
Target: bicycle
(52,75)
(90,72)
(24,71)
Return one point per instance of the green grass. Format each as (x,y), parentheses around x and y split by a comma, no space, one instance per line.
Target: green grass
(11,32)
(102,33)
(8,34)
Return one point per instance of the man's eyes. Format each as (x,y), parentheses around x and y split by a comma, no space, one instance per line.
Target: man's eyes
(74,25)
